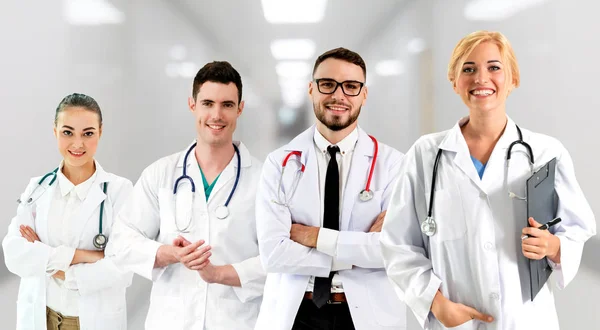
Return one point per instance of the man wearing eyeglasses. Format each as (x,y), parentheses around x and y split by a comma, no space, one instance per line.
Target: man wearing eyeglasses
(319,221)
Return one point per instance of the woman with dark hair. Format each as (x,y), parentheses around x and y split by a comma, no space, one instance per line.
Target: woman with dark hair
(56,241)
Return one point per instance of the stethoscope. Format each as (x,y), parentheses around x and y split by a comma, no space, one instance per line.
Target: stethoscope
(221,211)
(100,240)
(365,195)
(429,226)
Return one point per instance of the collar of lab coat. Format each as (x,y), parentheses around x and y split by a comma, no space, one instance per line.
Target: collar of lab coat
(246,160)
(92,200)
(82,189)
(455,141)
(305,141)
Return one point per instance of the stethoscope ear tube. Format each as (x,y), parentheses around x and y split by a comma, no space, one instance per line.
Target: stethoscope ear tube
(428,226)
(222,211)
(30,199)
(433,179)
(523,143)
(100,240)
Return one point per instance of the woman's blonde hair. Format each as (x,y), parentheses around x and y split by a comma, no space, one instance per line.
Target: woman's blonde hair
(466,45)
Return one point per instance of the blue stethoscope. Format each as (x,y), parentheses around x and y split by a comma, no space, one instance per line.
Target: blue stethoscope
(100,240)
(221,211)
(429,226)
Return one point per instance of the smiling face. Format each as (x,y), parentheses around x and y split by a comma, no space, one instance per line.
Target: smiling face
(77,131)
(216,110)
(338,111)
(484,79)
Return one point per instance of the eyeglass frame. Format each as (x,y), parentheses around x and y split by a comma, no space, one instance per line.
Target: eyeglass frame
(338,84)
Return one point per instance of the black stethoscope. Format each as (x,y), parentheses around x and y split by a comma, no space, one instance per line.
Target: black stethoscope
(100,240)
(221,211)
(429,226)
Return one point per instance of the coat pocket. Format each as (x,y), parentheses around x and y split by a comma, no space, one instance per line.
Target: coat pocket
(364,213)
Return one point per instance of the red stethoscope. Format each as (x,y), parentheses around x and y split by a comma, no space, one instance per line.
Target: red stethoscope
(365,195)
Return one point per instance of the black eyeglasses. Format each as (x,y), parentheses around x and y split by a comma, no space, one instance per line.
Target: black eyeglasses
(329,86)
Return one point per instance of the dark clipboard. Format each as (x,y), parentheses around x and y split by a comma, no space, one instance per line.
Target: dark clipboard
(542,206)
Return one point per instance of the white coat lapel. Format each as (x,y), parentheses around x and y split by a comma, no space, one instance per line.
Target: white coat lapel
(184,201)
(357,176)
(90,204)
(455,142)
(306,197)
(183,198)
(42,208)
(225,180)
(495,169)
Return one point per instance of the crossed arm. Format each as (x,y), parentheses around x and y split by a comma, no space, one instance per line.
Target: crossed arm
(80,256)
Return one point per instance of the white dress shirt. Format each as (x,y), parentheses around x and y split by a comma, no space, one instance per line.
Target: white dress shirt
(62,296)
(327,240)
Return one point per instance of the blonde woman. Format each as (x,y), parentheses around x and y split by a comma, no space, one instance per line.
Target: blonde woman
(461,263)
(56,241)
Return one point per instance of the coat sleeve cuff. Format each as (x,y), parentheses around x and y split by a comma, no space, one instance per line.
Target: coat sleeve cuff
(421,304)
(70,279)
(327,241)
(60,259)
(570,258)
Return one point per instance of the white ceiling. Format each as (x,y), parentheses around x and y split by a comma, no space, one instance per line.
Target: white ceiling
(238,29)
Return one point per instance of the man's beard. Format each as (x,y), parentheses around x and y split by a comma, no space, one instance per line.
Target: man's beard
(335,123)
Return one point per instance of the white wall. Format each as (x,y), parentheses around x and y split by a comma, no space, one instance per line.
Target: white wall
(26,98)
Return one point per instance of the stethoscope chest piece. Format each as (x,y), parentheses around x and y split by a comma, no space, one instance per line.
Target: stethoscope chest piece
(428,227)
(222,212)
(100,241)
(366,195)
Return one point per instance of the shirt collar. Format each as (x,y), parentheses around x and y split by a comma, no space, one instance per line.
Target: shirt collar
(346,145)
(67,186)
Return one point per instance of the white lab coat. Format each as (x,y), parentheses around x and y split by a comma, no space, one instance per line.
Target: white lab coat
(373,304)
(475,256)
(101,285)
(180,299)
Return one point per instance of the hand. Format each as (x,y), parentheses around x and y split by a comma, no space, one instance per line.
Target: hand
(181,242)
(28,233)
(304,235)
(540,244)
(59,275)
(191,255)
(452,314)
(376,226)
(169,254)
(226,275)
(208,272)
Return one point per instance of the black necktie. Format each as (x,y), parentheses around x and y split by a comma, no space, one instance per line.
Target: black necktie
(331,220)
